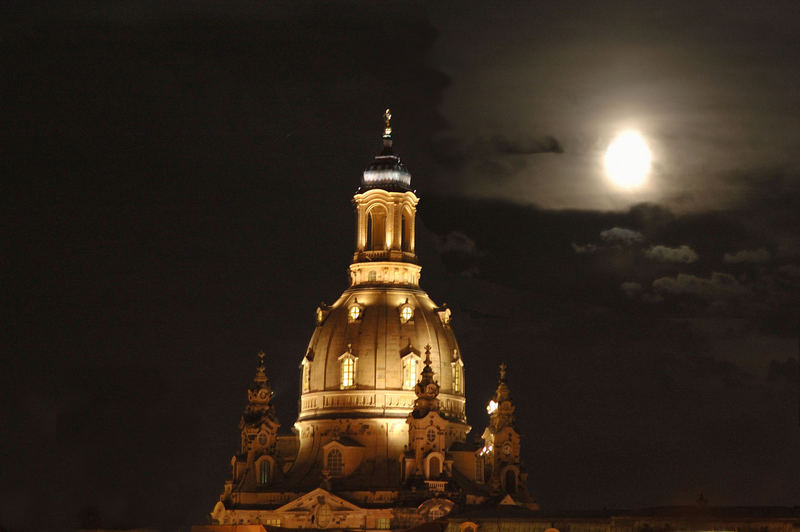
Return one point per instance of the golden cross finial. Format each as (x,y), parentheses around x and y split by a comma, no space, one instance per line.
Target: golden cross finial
(387,117)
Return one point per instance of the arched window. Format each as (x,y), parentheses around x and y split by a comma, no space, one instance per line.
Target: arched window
(373,276)
(479,469)
(456,377)
(306,376)
(263,472)
(511,481)
(368,244)
(403,240)
(376,229)
(434,467)
(335,462)
(348,372)
(406,231)
(410,365)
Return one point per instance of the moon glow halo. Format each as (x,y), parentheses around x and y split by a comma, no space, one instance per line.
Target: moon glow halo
(627,160)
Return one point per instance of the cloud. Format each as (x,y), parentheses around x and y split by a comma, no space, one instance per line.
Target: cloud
(584,248)
(683,254)
(489,156)
(621,235)
(649,297)
(747,256)
(546,144)
(458,242)
(631,289)
(718,285)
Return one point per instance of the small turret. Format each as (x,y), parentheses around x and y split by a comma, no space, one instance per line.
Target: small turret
(259,423)
(427,389)
(501,407)
(501,447)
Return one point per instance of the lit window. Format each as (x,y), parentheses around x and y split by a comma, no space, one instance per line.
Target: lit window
(373,276)
(456,378)
(406,313)
(355,312)
(272,522)
(263,473)
(335,462)
(306,377)
(348,372)
(383,523)
(409,373)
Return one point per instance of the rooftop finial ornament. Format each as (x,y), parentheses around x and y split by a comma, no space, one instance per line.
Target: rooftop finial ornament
(387,117)
(261,375)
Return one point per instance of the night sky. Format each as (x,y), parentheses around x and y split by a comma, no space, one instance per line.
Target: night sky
(176,197)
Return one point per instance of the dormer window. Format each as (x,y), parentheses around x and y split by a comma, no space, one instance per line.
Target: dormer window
(457,367)
(355,312)
(347,369)
(406,313)
(411,365)
(306,375)
(322,313)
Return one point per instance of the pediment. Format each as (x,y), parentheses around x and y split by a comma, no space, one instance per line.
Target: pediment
(317,497)
(508,500)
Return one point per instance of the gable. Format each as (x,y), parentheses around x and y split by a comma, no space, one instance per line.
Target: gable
(314,498)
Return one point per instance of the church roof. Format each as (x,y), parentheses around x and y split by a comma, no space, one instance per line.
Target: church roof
(387,171)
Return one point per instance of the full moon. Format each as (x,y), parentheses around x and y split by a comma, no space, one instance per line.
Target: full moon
(627,160)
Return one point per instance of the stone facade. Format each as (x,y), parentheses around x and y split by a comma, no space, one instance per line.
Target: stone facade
(381,437)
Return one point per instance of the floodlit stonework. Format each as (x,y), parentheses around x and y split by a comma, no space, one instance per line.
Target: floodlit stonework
(381,437)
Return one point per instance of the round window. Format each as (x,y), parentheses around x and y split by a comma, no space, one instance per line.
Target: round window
(355,312)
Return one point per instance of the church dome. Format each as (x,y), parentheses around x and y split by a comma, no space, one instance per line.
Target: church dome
(365,355)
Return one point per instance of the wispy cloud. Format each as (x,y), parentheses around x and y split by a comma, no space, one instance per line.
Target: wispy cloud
(748,256)
(682,254)
(622,235)
(718,285)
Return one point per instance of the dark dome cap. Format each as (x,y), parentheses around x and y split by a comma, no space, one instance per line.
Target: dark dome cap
(386,170)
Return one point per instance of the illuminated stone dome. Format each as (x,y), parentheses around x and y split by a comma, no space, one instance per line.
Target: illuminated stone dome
(366,353)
